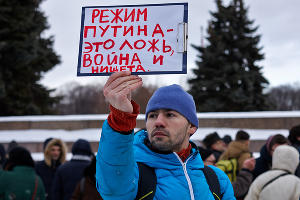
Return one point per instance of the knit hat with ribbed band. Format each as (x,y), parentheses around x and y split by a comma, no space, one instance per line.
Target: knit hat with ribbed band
(173,97)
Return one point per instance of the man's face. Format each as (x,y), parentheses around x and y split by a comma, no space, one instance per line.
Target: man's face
(168,130)
(219,146)
(55,152)
(210,160)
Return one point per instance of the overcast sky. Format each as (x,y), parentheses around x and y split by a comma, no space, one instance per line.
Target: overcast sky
(278,23)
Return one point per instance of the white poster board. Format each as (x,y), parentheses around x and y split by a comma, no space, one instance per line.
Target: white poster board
(143,39)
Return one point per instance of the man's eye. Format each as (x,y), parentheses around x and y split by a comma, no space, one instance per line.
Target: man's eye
(170,115)
(151,115)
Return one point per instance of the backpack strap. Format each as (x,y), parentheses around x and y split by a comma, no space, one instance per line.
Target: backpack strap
(273,179)
(147,182)
(213,182)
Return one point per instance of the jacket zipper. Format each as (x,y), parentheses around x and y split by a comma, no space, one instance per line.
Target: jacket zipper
(186,175)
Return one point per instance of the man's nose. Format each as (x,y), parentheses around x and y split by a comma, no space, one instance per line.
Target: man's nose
(160,120)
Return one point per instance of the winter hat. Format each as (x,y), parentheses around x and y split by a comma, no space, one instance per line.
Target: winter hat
(210,139)
(19,156)
(82,147)
(173,97)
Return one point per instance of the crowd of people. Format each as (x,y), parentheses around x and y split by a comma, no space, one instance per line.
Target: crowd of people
(53,178)
(157,162)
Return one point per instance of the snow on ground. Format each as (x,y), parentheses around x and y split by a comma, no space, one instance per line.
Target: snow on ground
(265,114)
(93,135)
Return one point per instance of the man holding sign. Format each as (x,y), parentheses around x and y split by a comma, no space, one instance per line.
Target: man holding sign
(170,121)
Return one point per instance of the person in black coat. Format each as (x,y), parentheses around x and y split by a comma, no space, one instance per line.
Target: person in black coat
(68,174)
(214,143)
(294,138)
(2,156)
(264,161)
(55,152)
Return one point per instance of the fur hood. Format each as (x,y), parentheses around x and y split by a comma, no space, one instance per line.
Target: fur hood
(285,158)
(238,150)
(51,143)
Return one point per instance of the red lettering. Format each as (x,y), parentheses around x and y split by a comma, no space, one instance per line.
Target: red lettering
(126,43)
(86,28)
(104,68)
(130,67)
(142,30)
(103,30)
(160,59)
(113,69)
(95,70)
(138,41)
(114,60)
(109,47)
(89,47)
(87,61)
(132,14)
(126,31)
(126,59)
(123,68)
(139,67)
(116,15)
(97,44)
(158,30)
(95,14)
(101,20)
(135,58)
(153,43)
(116,30)
(101,59)
(166,48)
(139,13)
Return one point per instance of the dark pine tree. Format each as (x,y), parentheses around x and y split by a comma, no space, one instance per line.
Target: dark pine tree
(25,55)
(228,77)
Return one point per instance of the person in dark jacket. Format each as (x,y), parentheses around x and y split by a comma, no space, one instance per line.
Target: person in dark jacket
(2,156)
(294,138)
(214,143)
(264,161)
(55,152)
(86,187)
(20,182)
(69,173)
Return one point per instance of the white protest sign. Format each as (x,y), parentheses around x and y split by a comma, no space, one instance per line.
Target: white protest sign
(143,39)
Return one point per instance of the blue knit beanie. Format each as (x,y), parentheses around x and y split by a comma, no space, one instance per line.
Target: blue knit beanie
(173,97)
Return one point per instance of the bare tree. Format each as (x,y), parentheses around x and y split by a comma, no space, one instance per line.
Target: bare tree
(89,99)
(285,97)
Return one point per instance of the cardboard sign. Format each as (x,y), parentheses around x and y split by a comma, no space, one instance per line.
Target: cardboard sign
(143,39)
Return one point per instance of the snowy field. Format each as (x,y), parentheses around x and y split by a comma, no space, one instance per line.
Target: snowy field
(93,135)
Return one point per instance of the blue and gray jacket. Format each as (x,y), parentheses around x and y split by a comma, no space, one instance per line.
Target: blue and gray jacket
(117,172)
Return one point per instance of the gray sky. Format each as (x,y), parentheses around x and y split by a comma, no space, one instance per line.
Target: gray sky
(278,23)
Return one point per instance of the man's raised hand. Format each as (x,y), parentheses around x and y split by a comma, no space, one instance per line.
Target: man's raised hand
(117,90)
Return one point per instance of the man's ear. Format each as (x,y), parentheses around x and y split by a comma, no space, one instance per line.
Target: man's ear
(192,129)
